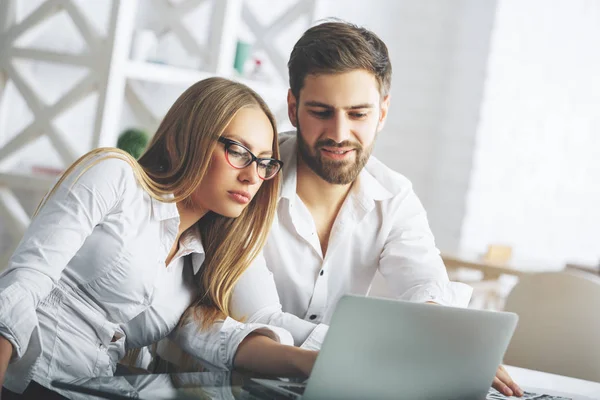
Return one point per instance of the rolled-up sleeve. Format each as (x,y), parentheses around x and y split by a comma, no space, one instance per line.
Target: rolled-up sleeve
(411,263)
(216,345)
(52,239)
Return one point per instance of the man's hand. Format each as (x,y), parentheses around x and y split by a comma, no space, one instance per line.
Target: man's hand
(505,385)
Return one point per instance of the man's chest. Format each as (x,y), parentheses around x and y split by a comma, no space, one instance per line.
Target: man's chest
(294,247)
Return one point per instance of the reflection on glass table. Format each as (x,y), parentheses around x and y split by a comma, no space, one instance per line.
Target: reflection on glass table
(191,385)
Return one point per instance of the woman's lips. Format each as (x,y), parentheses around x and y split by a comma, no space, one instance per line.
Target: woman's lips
(240,196)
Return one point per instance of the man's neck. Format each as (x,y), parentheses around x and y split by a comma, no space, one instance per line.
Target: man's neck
(318,194)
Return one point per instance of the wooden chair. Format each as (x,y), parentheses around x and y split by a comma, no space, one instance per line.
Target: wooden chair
(559,324)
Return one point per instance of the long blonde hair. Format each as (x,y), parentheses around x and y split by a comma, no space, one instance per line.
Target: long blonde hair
(176,161)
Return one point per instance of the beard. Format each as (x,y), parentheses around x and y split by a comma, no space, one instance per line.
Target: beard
(337,172)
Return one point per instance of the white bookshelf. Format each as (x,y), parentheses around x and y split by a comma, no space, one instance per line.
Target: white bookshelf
(162,73)
(172,75)
(111,75)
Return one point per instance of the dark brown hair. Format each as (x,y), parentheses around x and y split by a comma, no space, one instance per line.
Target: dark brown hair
(335,47)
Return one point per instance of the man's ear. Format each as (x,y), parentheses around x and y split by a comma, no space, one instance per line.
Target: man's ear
(383,112)
(292,108)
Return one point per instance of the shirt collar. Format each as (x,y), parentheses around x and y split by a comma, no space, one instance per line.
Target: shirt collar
(191,243)
(369,186)
(289,156)
(161,210)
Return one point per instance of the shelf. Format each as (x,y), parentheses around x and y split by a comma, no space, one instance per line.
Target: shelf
(162,73)
(167,74)
(26,181)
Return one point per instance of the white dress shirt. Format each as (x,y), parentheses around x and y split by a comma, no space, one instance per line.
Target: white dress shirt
(381,226)
(91,267)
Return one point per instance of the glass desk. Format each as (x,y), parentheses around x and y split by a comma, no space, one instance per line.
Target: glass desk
(236,385)
(190,385)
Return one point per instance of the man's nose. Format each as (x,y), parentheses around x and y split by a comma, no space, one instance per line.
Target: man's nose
(339,130)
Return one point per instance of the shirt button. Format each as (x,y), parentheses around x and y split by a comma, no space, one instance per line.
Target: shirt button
(322,272)
(312,317)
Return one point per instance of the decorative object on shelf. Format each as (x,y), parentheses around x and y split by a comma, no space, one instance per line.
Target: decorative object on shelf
(258,71)
(242,53)
(45,170)
(133,141)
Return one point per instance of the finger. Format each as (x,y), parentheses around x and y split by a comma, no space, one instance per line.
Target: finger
(501,387)
(505,378)
(516,389)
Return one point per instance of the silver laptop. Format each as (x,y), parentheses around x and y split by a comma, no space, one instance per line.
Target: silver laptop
(388,349)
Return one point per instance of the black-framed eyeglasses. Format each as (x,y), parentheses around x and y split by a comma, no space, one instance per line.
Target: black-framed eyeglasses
(239,156)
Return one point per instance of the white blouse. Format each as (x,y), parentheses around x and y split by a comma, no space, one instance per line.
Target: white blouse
(91,267)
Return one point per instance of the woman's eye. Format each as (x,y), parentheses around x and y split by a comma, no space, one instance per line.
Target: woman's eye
(236,151)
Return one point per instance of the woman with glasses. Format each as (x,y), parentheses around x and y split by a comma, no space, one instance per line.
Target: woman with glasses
(121,252)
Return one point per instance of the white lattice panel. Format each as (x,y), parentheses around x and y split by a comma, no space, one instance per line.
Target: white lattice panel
(26,47)
(61,58)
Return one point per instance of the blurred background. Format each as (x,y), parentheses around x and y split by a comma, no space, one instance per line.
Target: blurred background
(495,113)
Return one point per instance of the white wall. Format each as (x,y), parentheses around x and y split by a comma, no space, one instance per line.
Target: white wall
(439,52)
(536,179)
(524,174)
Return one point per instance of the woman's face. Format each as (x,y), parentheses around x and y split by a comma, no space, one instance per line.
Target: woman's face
(226,190)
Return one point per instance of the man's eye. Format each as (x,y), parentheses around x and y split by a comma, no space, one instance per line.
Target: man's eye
(321,114)
(358,115)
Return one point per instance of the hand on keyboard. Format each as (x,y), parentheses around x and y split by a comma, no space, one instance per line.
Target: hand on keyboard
(495,395)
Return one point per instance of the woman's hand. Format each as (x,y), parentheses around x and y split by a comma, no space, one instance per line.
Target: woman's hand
(305,360)
(261,354)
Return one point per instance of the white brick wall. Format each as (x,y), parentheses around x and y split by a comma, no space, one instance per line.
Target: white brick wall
(439,52)
(536,179)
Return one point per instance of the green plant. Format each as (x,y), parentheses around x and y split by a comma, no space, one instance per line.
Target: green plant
(133,141)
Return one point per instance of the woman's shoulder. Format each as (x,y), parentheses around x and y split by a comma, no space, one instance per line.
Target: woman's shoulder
(105,170)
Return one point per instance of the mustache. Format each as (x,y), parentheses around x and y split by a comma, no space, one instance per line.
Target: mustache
(333,143)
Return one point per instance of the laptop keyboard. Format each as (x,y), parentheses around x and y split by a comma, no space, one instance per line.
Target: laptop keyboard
(295,389)
(496,395)
(492,395)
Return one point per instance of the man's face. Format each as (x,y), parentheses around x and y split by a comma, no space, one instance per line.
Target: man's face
(337,117)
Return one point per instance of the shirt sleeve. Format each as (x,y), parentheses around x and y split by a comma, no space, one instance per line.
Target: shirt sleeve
(255,300)
(411,263)
(51,240)
(215,346)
